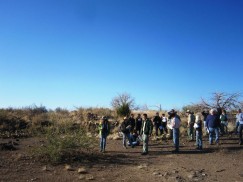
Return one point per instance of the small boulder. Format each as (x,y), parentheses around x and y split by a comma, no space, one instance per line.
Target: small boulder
(68,167)
(82,170)
(81,177)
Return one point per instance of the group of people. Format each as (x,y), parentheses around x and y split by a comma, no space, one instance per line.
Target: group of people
(140,129)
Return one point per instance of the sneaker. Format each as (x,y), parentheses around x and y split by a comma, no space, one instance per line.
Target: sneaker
(144,153)
(175,151)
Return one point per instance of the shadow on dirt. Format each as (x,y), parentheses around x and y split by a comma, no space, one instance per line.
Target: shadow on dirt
(105,159)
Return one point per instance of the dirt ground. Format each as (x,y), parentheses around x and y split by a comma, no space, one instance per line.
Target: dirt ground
(214,163)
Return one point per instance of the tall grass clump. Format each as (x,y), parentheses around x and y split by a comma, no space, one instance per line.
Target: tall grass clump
(64,142)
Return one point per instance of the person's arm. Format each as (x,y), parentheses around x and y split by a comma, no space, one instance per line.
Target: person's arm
(150,128)
(189,119)
(207,120)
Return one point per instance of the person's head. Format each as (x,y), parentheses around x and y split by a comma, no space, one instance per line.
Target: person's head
(224,111)
(172,113)
(163,115)
(239,111)
(188,112)
(213,111)
(132,115)
(139,115)
(145,116)
(104,119)
(157,114)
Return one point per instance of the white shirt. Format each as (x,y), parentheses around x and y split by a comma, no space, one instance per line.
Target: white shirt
(239,118)
(164,119)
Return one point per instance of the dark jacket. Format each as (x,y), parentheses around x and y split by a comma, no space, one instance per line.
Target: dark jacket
(124,126)
(157,121)
(213,121)
(138,124)
(104,128)
(132,123)
(148,127)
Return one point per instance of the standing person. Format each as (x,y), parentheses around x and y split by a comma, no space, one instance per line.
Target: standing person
(138,124)
(224,123)
(157,124)
(104,130)
(205,114)
(175,125)
(198,128)
(240,119)
(132,122)
(164,123)
(213,123)
(147,128)
(125,129)
(237,124)
(190,124)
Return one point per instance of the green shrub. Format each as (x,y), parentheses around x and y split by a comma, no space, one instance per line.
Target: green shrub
(123,110)
(63,142)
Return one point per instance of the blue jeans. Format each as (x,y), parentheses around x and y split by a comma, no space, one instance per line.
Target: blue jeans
(237,124)
(126,136)
(145,143)
(224,127)
(190,132)
(199,139)
(176,134)
(240,133)
(213,131)
(103,142)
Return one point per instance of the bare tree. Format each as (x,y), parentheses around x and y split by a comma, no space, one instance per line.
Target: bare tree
(123,99)
(222,100)
(123,103)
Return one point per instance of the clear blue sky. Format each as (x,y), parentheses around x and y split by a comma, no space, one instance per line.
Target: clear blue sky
(66,53)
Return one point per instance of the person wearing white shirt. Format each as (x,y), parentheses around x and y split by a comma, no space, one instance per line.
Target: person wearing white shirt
(237,121)
(164,123)
(240,120)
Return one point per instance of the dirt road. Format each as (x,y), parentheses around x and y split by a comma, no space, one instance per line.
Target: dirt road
(214,163)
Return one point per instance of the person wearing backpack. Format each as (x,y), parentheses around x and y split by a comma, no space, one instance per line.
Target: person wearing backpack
(198,128)
(224,123)
(190,128)
(125,129)
(104,130)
